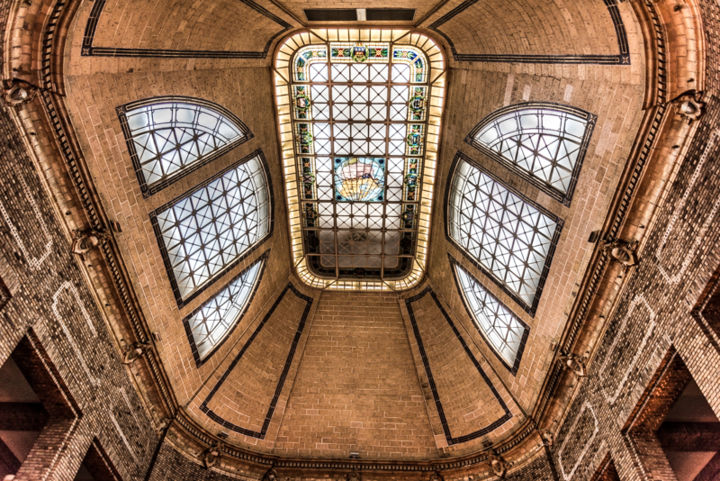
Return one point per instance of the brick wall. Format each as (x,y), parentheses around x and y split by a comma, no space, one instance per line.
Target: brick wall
(50,302)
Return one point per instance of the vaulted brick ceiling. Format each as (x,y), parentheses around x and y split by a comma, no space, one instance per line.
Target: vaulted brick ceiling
(317,373)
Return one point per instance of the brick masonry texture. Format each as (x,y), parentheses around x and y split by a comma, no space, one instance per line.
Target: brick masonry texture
(357,380)
(51,303)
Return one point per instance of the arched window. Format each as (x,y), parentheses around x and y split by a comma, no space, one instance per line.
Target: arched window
(211,323)
(168,137)
(507,236)
(207,231)
(543,142)
(502,329)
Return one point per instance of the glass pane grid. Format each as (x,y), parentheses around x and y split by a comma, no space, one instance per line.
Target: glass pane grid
(358,121)
(212,322)
(543,142)
(507,236)
(504,332)
(207,230)
(168,137)
(297,190)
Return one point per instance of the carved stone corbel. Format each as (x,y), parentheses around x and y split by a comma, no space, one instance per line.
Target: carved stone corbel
(690,105)
(270,475)
(547,437)
(211,455)
(353,475)
(436,476)
(87,239)
(135,352)
(575,363)
(623,251)
(498,465)
(17,92)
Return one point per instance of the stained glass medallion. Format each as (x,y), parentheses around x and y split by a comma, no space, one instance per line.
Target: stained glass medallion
(359,118)
(359,179)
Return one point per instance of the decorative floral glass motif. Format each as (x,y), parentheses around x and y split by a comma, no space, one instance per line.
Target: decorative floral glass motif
(511,239)
(360,179)
(543,142)
(168,136)
(358,122)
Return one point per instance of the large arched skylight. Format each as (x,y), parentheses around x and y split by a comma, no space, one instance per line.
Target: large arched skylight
(170,136)
(502,329)
(511,239)
(543,142)
(211,323)
(359,115)
(208,230)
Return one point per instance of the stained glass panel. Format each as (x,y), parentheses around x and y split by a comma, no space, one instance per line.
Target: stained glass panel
(359,114)
(501,328)
(211,323)
(208,229)
(359,134)
(506,235)
(544,141)
(167,137)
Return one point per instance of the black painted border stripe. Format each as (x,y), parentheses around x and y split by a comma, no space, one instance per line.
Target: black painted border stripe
(88,49)
(283,376)
(426,363)
(622,58)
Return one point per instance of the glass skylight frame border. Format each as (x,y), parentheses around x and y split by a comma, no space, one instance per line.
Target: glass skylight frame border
(526,333)
(161,245)
(564,197)
(284,102)
(150,189)
(199,361)
(529,308)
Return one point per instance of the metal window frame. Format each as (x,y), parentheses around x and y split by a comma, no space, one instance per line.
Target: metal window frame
(564,197)
(526,332)
(529,308)
(150,189)
(161,244)
(200,360)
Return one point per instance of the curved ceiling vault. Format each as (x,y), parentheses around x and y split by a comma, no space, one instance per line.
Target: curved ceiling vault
(259,347)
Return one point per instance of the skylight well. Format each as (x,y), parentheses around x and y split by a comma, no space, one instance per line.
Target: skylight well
(359,118)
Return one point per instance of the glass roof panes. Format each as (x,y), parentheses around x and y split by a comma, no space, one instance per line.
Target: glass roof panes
(358,118)
(501,328)
(546,142)
(211,323)
(169,136)
(209,229)
(510,238)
